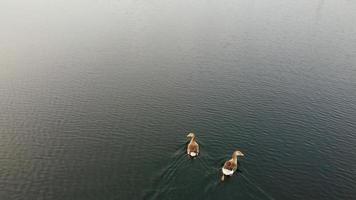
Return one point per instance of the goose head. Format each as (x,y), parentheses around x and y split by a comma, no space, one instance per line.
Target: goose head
(237,153)
(191,135)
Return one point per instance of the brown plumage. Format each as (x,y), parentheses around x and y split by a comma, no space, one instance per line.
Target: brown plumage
(231,165)
(193,146)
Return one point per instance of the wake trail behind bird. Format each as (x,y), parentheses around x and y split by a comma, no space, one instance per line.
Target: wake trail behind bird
(253,183)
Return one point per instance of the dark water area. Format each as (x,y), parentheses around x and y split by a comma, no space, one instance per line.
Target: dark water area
(97,97)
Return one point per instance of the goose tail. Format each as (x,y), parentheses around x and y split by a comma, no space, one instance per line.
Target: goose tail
(193,154)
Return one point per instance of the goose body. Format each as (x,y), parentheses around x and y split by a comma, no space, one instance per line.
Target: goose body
(193,146)
(231,165)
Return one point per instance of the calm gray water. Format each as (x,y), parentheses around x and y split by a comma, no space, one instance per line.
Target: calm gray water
(97,96)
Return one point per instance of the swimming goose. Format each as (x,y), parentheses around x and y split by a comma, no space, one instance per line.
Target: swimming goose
(231,165)
(193,147)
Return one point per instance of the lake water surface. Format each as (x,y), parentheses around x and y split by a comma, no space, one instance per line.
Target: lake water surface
(97,97)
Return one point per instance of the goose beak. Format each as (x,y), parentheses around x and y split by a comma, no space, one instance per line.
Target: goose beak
(239,153)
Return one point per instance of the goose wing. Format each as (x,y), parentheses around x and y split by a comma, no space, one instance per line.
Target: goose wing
(230,165)
(193,147)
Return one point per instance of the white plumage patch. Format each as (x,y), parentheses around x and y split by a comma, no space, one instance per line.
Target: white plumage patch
(193,154)
(227,172)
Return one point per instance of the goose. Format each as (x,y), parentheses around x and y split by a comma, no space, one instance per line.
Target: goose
(193,146)
(231,165)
